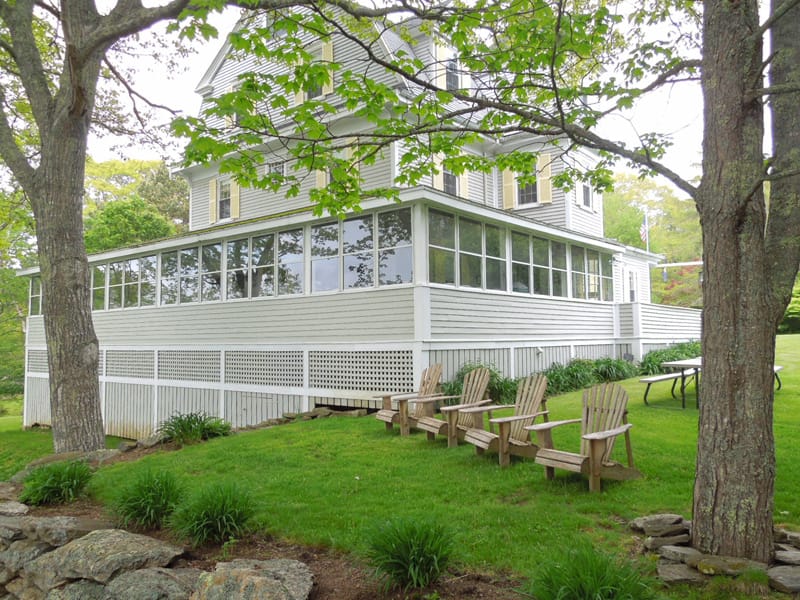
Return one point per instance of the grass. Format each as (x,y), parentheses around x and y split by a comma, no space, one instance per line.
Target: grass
(331,481)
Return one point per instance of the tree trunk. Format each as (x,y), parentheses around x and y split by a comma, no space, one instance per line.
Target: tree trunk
(733,493)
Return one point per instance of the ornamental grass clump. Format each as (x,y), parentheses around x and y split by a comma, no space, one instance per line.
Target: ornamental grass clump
(408,553)
(583,573)
(214,515)
(500,389)
(192,428)
(56,483)
(148,501)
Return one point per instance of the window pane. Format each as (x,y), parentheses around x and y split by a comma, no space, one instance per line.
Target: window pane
(526,193)
(36,307)
(469,236)
(541,252)
(36,286)
(442,266)
(147,293)
(189,274)
(169,278)
(263,282)
(212,257)
(224,211)
(115,273)
(290,278)
(578,285)
(520,250)
(450,183)
(290,246)
(264,250)
(395,265)
(541,281)
(169,264)
(495,242)
(607,265)
(608,289)
(495,274)
(325,240)
(131,298)
(560,283)
(442,229)
(98,299)
(359,270)
(115,296)
(132,270)
(470,269)
(559,255)
(325,274)
(520,276)
(211,286)
(357,235)
(394,228)
(236,252)
(578,259)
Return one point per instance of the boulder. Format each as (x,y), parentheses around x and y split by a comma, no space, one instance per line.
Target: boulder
(785,578)
(154,584)
(13,509)
(653,524)
(278,579)
(21,552)
(788,557)
(674,573)
(79,590)
(678,553)
(653,543)
(723,565)
(58,531)
(99,556)
(8,491)
(10,529)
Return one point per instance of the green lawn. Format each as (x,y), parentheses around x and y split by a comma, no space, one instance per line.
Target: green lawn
(328,481)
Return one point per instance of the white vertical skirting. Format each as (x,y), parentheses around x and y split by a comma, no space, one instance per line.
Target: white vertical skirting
(222,384)
(637,346)
(26,400)
(306,404)
(155,390)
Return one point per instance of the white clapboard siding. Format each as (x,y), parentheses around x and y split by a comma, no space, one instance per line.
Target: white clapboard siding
(626,320)
(479,315)
(676,321)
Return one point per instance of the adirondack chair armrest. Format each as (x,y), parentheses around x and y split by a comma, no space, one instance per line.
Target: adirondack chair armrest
(513,418)
(604,435)
(432,398)
(550,425)
(452,407)
(485,408)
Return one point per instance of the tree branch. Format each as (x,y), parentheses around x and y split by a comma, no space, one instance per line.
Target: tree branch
(775,16)
(9,150)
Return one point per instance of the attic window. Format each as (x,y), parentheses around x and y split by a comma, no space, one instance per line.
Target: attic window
(224,201)
(526,193)
(450,183)
(452,79)
(587,196)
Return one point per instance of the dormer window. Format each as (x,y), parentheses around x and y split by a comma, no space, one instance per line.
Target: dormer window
(587,196)
(527,193)
(224,200)
(450,182)
(452,78)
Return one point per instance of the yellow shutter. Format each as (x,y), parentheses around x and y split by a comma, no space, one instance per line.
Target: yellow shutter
(441,56)
(229,118)
(234,200)
(299,95)
(212,201)
(438,175)
(350,155)
(327,57)
(509,189)
(463,184)
(545,189)
(321,179)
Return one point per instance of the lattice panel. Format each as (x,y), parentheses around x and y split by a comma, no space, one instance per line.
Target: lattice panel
(453,360)
(37,361)
(264,367)
(251,408)
(189,365)
(130,363)
(362,370)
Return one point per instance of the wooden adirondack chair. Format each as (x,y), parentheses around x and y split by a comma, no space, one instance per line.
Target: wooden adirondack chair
(428,386)
(473,394)
(604,418)
(512,437)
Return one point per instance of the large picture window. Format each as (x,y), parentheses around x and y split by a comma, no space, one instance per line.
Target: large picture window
(169,277)
(237,255)
(98,287)
(395,259)
(211,272)
(578,264)
(520,263)
(262,271)
(189,271)
(290,262)
(35,304)
(325,257)
(442,251)
(358,266)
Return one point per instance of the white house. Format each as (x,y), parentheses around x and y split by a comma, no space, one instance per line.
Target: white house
(264,308)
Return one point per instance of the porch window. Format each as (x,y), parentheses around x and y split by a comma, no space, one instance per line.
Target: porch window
(520,263)
(290,262)
(495,258)
(262,270)
(593,275)
(395,258)
(541,266)
(470,252)
(130,297)
(148,271)
(237,253)
(98,287)
(442,254)
(189,272)
(607,277)
(578,256)
(35,307)
(325,257)
(211,272)
(115,282)
(358,260)
(558,254)
(169,278)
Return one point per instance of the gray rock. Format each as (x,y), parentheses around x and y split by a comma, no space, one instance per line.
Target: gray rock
(79,590)
(793,538)
(788,557)
(723,565)
(153,440)
(99,556)
(58,531)
(21,552)
(8,491)
(154,584)
(674,573)
(678,553)
(279,579)
(11,529)
(127,446)
(655,523)
(22,589)
(13,509)
(785,578)
(653,543)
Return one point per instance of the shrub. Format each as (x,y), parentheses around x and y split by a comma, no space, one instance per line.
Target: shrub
(216,514)
(55,483)
(614,369)
(582,572)
(193,427)
(501,389)
(651,362)
(579,373)
(149,501)
(408,553)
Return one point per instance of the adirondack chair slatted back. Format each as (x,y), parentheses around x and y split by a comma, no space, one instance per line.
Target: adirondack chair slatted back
(604,408)
(428,385)
(530,396)
(474,390)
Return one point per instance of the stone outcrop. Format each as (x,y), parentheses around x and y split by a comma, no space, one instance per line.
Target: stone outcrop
(70,558)
(669,535)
